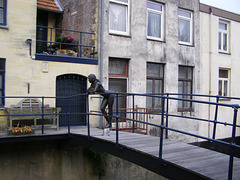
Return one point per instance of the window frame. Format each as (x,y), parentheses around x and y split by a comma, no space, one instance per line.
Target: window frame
(4,13)
(191,26)
(183,107)
(153,79)
(120,78)
(127,5)
(223,84)
(162,20)
(2,72)
(221,33)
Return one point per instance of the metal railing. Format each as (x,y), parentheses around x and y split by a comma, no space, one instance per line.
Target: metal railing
(66,43)
(165,116)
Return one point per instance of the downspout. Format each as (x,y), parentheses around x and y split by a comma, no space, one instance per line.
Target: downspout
(101,41)
(210,69)
(101,53)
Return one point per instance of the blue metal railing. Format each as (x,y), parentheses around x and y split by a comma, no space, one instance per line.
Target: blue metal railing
(165,115)
(165,98)
(51,46)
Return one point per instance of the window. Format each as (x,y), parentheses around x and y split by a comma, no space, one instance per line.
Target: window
(223,36)
(2,82)
(185,34)
(154,20)
(118,75)
(155,74)
(118,16)
(3,14)
(223,82)
(185,84)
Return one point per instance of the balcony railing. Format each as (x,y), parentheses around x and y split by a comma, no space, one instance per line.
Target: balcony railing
(64,43)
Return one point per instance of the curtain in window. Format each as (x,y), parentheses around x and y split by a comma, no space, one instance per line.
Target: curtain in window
(1,12)
(184,88)
(220,91)
(149,90)
(158,89)
(219,41)
(154,24)
(184,30)
(118,17)
(225,42)
(118,67)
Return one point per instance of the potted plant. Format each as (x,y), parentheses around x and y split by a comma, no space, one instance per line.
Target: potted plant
(65,47)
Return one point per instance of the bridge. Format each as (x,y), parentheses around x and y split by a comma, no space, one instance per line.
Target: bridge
(169,158)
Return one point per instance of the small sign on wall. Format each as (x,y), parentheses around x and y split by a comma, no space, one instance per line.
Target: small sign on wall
(45,67)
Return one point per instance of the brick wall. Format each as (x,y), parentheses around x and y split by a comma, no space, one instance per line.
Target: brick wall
(81,16)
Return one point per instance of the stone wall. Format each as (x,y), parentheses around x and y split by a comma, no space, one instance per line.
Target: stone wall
(59,160)
(140,50)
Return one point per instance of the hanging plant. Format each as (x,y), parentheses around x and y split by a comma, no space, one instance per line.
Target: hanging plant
(99,160)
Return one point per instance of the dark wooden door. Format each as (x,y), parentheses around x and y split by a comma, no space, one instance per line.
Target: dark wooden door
(71,85)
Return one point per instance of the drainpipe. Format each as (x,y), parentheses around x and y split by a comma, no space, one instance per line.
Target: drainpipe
(210,70)
(101,53)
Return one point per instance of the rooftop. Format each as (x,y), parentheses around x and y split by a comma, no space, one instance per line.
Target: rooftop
(50,5)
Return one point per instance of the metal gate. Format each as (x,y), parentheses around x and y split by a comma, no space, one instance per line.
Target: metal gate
(71,85)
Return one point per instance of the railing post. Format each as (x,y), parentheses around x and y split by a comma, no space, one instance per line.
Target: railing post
(51,41)
(161,131)
(117,145)
(42,114)
(215,123)
(68,115)
(88,124)
(166,132)
(80,47)
(231,158)
(133,113)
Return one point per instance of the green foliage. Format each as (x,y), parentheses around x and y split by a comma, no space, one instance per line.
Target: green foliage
(99,160)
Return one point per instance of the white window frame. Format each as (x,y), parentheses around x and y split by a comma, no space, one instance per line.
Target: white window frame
(191,26)
(162,20)
(222,32)
(223,83)
(127,5)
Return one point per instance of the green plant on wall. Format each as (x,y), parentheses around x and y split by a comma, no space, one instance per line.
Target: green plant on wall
(99,160)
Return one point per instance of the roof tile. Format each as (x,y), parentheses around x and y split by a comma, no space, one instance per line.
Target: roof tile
(48,4)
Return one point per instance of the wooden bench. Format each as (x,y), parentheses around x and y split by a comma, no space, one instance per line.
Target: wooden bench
(31,109)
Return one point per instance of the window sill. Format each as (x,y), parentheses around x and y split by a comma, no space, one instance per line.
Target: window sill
(185,44)
(157,40)
(3,27)
(121,35)
(224,52)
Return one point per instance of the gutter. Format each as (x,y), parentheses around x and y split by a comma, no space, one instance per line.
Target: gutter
(210,69)
(101,41)
(101,53)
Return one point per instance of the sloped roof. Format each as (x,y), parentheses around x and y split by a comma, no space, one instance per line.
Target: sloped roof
(50,5)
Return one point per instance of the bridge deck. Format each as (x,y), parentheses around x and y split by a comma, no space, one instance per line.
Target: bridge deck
(207,163)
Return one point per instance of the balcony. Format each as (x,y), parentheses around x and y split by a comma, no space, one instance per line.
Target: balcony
(63,45)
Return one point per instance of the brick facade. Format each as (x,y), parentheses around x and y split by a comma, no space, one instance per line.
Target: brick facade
(80,16)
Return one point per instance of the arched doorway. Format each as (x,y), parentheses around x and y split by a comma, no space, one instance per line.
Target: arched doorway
(69,85)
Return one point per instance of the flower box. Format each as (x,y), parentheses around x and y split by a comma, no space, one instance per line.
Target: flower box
(63,52)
